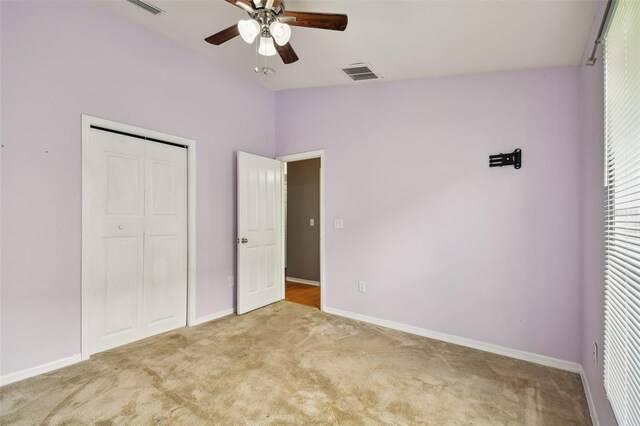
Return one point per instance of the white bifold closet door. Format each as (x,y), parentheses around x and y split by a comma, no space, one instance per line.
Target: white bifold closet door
(138,239)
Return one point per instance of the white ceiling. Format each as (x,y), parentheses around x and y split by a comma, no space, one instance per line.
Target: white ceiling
(400,39)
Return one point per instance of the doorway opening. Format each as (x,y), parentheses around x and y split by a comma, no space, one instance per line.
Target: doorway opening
(302,205)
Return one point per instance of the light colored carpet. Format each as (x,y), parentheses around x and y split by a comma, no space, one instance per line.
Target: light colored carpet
(291,364)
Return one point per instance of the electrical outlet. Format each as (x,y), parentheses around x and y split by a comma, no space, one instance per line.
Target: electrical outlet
(595,353)
(231,280)
(338,223)
(362,286)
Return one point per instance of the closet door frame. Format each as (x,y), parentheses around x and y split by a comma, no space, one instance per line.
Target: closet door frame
(88,122)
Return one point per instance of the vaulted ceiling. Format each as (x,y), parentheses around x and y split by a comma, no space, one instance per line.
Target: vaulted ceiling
(400,39)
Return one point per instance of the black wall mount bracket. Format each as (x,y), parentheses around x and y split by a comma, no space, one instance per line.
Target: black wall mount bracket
(512,159)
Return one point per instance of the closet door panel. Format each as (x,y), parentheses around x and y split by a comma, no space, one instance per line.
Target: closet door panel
(116,229)
(165,256)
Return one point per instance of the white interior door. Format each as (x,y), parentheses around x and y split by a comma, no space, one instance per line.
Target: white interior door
(260,255)
(116,246)
(137,274)
(165,239)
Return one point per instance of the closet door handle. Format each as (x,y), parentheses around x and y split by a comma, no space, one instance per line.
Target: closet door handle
(244,241)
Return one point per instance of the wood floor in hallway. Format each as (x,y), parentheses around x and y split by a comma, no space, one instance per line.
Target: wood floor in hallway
(302,293)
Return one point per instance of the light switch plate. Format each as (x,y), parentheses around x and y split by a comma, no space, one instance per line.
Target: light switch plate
(312,222)
(362,286)
(231,280)
(338,223)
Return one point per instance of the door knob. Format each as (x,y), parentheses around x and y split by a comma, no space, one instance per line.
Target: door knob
(120,227)
(244,241)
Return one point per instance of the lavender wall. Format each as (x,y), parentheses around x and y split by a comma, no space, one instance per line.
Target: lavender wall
(60,60)
(592,150)
(443,241)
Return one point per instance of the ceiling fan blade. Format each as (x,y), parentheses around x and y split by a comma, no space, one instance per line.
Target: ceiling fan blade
(287,53)
(248,9)
(237,3)
(276,4)
(286,19)
(324,21)
(224,35)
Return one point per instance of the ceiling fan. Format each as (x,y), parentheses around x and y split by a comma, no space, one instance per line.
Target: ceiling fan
(270,21)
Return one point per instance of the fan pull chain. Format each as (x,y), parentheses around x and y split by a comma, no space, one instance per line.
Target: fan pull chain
(256,69)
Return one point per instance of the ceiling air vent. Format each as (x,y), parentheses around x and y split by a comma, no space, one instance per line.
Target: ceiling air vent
(146,6)
(359,72)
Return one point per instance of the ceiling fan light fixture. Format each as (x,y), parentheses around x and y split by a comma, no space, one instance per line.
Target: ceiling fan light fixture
(263,14)
(266,47)
(280,32)
(249,29)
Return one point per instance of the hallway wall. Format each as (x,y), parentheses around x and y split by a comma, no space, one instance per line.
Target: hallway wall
(303,204)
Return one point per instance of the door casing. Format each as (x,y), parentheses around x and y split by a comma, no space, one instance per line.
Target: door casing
(306,156)
(87,122)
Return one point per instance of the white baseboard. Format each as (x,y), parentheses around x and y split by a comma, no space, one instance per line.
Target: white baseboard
(303,281)
(54,365)
(40,369)
(587,392)
(212,317)
(574,367)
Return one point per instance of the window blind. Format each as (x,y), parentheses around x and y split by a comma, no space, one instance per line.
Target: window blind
(622,227)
